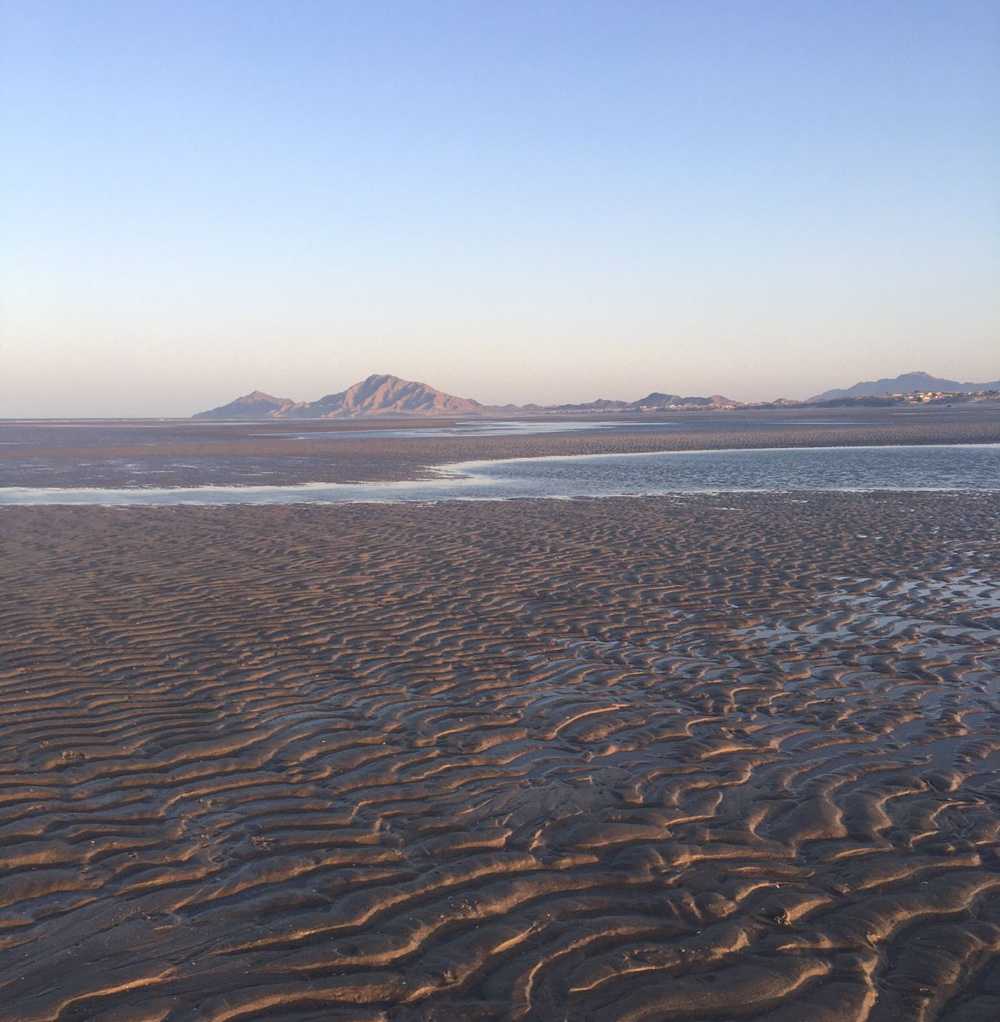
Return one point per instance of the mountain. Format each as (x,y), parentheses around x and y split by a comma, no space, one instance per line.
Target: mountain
(907,383)
(390,396)
(255,405)
(659,402)
(655,402)
(377,395)
(386,395)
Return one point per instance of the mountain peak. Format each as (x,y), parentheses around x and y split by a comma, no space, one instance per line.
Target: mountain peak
(255,405)
(385,394)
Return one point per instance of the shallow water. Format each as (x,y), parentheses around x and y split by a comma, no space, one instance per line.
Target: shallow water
(939,467)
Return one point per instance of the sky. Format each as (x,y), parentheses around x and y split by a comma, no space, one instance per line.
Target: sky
(519,201)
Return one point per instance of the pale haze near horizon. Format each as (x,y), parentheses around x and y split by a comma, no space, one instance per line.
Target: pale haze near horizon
(519,202)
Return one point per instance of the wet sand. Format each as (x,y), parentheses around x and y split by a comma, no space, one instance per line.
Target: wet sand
(191,453)
(676,758)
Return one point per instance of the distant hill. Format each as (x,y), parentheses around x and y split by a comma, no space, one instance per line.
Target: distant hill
(907,383)
(655,402)
(380,394)
(255,405)
(390,396)
(385,395)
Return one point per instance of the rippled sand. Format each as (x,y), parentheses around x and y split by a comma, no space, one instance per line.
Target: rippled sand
(703,758)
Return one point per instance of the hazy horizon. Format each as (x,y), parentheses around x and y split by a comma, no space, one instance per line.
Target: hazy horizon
(528,204)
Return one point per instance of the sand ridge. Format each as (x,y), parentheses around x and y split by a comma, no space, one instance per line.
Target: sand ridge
(674,758)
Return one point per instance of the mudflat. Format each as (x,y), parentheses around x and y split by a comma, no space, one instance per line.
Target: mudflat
(710,757)
(184,452)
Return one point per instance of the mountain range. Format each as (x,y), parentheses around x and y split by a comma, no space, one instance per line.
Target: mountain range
(907,383)
(389,396)
(377,395)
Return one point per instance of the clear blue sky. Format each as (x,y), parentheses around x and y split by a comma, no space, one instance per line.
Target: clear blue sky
(511,201)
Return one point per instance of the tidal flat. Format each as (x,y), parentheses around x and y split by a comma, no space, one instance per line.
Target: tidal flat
(701,757)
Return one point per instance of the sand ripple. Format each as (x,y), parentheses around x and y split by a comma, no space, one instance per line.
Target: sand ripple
(695,758)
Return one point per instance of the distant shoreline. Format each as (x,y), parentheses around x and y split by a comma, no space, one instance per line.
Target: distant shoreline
(190,453)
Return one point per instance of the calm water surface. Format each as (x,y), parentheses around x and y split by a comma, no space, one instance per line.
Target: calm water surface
(939,467)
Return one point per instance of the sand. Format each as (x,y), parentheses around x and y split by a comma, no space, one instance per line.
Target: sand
(706,758)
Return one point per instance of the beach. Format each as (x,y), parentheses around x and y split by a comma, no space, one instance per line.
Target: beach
(701,757)
(499,512)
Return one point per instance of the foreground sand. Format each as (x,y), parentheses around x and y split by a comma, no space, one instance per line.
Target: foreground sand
(707,758)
